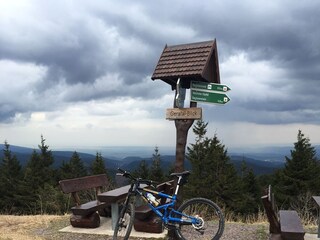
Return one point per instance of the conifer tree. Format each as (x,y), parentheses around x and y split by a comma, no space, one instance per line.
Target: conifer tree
(301,173)
(38,174)
(74,168)
(213,176)
(39,168)
(98,165)
(77,166)
(142,171)
(249,202)
(65,171)
(10,180)
(156,172)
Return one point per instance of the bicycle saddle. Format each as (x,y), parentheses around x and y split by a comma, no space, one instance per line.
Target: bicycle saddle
(185,173)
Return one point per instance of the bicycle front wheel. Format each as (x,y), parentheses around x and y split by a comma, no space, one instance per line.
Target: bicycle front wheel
(124,224)
(210,220)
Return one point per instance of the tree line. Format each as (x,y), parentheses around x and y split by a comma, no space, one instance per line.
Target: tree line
(34,188)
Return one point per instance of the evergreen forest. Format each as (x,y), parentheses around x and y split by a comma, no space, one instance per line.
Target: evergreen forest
(34,187)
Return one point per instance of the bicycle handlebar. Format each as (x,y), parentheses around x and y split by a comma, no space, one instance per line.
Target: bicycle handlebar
(127,174)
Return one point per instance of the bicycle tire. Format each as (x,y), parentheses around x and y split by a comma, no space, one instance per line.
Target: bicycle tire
(212,220)
(124,223)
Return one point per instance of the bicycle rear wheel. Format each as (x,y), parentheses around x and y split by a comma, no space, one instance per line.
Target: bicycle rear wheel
(210,224)
(124,224)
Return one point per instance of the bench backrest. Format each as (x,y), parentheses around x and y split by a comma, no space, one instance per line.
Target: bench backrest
(167,188)
(83,183)
(268,203)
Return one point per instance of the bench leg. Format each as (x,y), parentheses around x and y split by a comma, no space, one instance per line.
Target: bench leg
(114,214)
(318,225)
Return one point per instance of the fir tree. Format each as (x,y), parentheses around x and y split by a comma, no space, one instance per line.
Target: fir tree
(249,202)
(38,173)
(213,176)
(74,168)
(301,173)
(142,171)
(10,180)
(98,165)
(156,172)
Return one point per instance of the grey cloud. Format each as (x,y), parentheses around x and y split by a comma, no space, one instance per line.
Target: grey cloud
(127,38)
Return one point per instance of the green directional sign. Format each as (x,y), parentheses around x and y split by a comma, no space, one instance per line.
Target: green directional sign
(209,97)
(210,86)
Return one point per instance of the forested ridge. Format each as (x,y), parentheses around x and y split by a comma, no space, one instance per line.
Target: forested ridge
(32,187)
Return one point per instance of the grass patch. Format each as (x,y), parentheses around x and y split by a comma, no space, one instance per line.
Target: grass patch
(28,227)
(262,232)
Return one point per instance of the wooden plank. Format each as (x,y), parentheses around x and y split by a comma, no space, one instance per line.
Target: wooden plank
(317,200)
(114,195)
(83,183)
(89,207)
(183,113)
(272,218)
(290,225)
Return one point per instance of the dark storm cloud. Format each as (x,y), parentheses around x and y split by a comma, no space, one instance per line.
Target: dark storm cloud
(86,45)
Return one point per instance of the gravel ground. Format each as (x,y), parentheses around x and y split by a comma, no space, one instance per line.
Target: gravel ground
(233,231)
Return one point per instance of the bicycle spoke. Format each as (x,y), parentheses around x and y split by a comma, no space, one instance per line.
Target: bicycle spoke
(124,224)
(210,221)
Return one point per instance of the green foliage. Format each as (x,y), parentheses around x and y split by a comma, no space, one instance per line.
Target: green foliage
(38,174)
(10,179)
(156,172)
(39,168)
(213,175)
(74,168)
(142,171)
(251,192)
(34,189)
(98,165)
(301,174)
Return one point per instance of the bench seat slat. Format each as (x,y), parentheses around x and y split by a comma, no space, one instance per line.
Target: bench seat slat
(291,226)
(89,207)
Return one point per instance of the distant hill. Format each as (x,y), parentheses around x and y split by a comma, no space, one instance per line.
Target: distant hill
(24,154)
(261,162)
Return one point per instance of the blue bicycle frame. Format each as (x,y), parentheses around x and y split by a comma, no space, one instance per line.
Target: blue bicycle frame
(167,208)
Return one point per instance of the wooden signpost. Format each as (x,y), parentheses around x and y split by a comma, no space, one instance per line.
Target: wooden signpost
(183,113)
(181,67)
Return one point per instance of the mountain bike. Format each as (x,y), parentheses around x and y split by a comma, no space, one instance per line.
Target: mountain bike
(197,218)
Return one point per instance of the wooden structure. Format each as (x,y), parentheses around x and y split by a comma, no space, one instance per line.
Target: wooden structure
(317,202)
(85,214)
(185,63)
(113,197)
(143,213)
(145,219)
(189,62)
(286,226)
(178,66)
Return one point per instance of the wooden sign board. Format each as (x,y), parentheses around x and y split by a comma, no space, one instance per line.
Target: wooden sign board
(183,113)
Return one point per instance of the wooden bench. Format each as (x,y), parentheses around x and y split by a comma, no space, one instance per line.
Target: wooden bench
(288,227)
(113,197)
(142,213)
(85,214)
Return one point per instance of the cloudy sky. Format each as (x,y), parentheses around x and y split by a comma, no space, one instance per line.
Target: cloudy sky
(79,72)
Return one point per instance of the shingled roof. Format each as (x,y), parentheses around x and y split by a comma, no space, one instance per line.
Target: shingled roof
(189,62)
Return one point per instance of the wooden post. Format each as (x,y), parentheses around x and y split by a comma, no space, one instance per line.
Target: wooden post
(182,128)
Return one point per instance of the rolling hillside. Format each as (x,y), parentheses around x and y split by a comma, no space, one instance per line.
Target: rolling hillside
(264,163)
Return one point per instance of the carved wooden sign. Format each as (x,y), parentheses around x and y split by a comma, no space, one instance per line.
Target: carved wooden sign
(183,113)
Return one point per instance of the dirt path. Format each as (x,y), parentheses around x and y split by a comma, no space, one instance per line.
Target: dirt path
(47,227)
